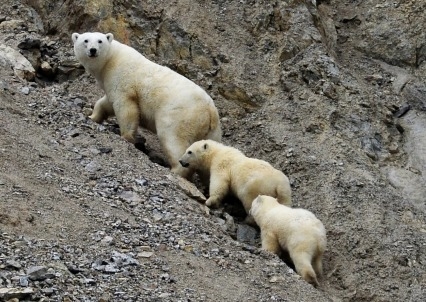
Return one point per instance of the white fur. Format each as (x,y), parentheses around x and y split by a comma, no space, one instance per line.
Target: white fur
(231,171)
(297,231)
(141,92)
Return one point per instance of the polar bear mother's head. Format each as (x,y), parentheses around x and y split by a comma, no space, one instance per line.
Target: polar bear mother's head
(91,45)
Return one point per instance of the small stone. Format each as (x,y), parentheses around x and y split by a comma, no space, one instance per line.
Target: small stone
(111,268)
(247,234)
(46,69)
(130,197)
(37,273)
(105,298)
(87,111)
(145,254)
(141,182)
(229,223)
(188,188)
(13,264)
(4,85)
(394,148)
(23,281)
(89,281)
(94,151)
(10,25)
(25,90)
(92,167)
(74,133)
(105,150)
(15,293)
(123,260)
(188,248)
(275,279)
(157,217)
(48,291)
(78,102)
(107,240)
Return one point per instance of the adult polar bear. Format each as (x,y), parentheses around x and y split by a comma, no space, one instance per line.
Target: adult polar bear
(141,92)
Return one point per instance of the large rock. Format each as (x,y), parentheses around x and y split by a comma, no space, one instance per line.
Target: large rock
(411,180)
(22,68)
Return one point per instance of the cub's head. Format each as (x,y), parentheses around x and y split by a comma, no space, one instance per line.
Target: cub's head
(262,203)
(196,154)
(90,46)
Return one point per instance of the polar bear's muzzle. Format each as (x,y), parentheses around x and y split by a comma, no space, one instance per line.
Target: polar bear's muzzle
(93,52)
(184,164)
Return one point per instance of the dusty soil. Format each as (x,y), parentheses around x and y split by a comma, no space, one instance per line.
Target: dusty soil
(313,89)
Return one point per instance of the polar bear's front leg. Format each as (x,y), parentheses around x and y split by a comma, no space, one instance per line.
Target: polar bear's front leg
(174,147)
(102,110)
(270,242)
(219,187)
(128,116)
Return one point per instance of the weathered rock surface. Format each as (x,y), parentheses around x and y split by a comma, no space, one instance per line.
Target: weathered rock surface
(11,58)
(330,92)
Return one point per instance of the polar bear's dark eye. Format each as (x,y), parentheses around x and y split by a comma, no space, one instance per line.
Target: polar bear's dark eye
(189,152)
(85,41)
(99,41)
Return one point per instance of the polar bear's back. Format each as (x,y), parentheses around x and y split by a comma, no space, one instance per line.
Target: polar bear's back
(256,173)
(151,78)
(294,224)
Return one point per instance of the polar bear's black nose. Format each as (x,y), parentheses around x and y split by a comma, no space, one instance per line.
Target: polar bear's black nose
(183,164)
(92,51)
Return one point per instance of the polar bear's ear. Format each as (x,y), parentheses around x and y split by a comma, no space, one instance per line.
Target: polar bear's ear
(75,37)
(110,37)
(205,146)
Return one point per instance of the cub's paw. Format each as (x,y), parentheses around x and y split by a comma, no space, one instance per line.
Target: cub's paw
(212,203)
(96,118)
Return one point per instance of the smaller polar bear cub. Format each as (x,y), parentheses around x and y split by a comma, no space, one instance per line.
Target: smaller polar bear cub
(297,231)
(233,172)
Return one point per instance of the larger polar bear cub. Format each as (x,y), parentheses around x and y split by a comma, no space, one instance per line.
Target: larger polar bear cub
(231,171)
(296,231)
(141,92)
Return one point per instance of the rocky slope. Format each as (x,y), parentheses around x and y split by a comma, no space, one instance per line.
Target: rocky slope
(330,92)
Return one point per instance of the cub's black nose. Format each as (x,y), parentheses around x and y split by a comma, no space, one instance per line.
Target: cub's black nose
(92,51)
(185,165)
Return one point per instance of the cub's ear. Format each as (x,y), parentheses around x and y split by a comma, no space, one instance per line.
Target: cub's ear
(74,37)
(109,37)
(205,146)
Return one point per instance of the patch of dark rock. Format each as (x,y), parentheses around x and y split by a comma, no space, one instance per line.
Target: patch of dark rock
(399,128)
(29,43)
(402,110)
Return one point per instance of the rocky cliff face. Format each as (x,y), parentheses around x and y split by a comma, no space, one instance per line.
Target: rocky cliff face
(330,92)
